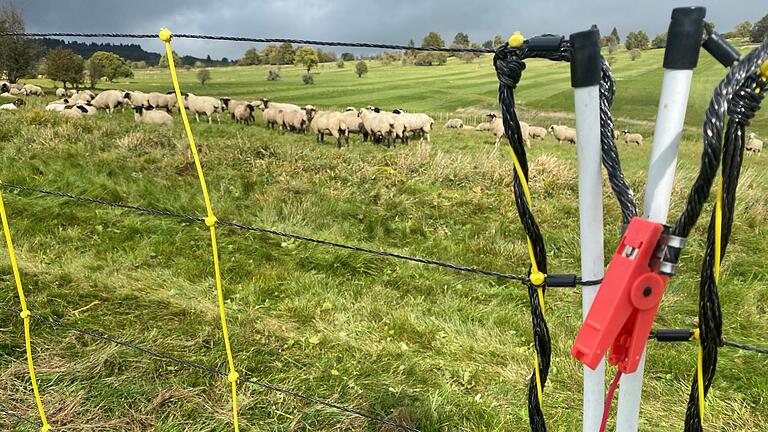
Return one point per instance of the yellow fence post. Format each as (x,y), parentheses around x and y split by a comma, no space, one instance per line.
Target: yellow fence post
(25,314)
(210,220)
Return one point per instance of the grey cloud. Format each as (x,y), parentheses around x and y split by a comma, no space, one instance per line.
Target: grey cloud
(391,21)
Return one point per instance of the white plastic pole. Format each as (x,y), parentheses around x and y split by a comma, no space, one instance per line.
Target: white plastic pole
(591,233)
(661,174)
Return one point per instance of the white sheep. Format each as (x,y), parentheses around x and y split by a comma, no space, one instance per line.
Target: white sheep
(136,98)
(266,103)
(60,92)
(754,145)
(483,127)
(243,114)
(294,120)
(563,133)
(331,123)
(33,90)
(537,132)
(417,123)
(634,138)
(231,105)
(71,113)
(454,123)
(149,115)
(12,106)
(355,123)
(57,105)
(204,105)
(378,126)
(165,101)
(85,108)
(109,100)
(17,92)
(269,116)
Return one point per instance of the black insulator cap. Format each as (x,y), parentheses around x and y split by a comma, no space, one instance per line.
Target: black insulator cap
(673,335)
(545,43)
(585,58)
(684,37)
(561,280)
(721,50)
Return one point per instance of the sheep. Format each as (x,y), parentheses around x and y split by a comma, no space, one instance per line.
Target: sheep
(12,106)
(85,96)
(57,105)
(563,133)
(243,114)
(399,126)
(266,103)
(332,123)
(136,98)
(149,115)
(71,113)
(354,122)
(86,108)
(109,100)
(525,131)
(754,145)
(632,138)
(377,125)
(616,134)
(418,123)
(296,120)
(5,87)
(17,92)
(33,90)
(162,100)
(454,124)
(269,116)
(231,105)
(483,127)
(537,132)
(60,92)
(204,105)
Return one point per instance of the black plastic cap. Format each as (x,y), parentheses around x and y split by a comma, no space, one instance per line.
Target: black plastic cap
(585,58)
(684,38)
(545,43)
(561,280)
(673,335)
(721,50)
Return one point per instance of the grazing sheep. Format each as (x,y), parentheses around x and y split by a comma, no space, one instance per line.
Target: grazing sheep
(231,105)
(151,116)
(33,90)
(296,121)
(165,101)
(563,133)
(632,138)
(754,145)
(331,123)
(17,92)
(266,103)
(270,115)
(109,100)
(454,124)
(496,126)
(483,127)
(243,114)
(380,127)
(355,123)
(399,125)
(417,123)
(537,132)
(136,98)
(12,106)
(204,105)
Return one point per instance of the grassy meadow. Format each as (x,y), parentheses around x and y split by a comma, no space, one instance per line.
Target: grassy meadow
(430,348)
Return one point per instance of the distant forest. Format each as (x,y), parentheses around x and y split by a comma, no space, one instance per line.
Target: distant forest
(131,52)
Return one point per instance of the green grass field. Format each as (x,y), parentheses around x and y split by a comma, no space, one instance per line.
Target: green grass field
(431,348)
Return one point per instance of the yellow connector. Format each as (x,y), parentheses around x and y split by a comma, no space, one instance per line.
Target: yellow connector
(516,40)
(165,35)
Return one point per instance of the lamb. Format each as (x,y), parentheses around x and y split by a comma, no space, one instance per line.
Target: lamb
(632,138)
(417,123)
(151,116)
(244,114)
(354,123)
(454,124)
(563,133)
(33,90)
(378,125)
(332,123)
(162,100)
(136,98)
(537,132)
(753,145)
(270,117)
(204,105)
(12,106)
(109,100)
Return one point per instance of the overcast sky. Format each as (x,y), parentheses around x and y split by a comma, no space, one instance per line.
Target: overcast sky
(387,21)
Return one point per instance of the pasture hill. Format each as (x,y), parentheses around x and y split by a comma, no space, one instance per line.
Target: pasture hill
(426,347)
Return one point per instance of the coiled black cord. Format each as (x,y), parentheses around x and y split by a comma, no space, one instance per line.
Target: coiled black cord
(741,108)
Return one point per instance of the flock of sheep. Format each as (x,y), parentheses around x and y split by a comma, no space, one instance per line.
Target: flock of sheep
(369,122)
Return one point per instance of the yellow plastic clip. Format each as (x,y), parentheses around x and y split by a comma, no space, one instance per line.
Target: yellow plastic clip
(764,71)
(24,314)
(211,220)
(538,278)
(165,35)
(233,376)
(45,428)
(516,40)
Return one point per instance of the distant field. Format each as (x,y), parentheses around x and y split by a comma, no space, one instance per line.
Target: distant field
(438,350)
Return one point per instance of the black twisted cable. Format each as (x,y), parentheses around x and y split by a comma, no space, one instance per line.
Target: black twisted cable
(209,370)
(611,161)
(509,65)
(255,40)
(744,347)
(742,107)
